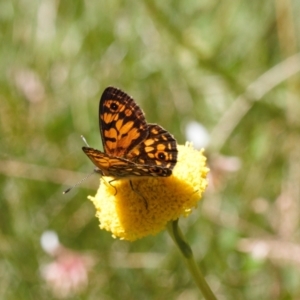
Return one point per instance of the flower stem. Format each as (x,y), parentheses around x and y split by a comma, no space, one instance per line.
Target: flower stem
(188,256)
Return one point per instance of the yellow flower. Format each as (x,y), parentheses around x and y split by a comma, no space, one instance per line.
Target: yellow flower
(131,214)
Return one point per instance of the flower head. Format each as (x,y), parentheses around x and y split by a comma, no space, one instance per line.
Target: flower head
(144,206)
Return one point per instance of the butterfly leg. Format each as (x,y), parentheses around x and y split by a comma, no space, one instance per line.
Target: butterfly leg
(116,191)
(145,201)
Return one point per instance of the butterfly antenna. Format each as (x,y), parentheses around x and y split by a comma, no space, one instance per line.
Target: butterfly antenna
(78,183)
(83,138)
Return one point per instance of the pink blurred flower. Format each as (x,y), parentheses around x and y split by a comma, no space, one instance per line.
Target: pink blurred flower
(67,274)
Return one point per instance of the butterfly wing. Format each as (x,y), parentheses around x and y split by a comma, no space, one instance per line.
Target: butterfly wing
(131,146)
(119,167)
(122,122)
(159,148)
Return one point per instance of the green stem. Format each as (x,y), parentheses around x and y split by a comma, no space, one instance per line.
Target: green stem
(188,256)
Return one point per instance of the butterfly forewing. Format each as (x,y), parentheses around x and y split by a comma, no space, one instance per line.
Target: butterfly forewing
(122,122)
(120,167)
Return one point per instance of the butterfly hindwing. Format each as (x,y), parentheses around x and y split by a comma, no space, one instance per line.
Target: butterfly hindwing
(159,148)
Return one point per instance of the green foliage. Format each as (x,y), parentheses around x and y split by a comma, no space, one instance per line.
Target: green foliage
(182,61)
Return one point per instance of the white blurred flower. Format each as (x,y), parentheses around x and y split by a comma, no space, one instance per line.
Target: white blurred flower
(197,134)
(50,242)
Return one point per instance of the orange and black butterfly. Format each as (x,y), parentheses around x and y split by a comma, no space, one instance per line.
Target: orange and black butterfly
(132,147)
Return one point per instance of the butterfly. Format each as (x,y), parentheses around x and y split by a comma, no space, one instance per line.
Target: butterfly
(132,147)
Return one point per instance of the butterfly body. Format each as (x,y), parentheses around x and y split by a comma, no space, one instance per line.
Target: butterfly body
(132,147)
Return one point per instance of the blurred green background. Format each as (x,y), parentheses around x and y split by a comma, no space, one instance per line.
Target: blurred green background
(231,66)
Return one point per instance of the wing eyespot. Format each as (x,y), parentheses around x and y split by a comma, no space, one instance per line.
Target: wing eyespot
(161,156)
(113,106)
